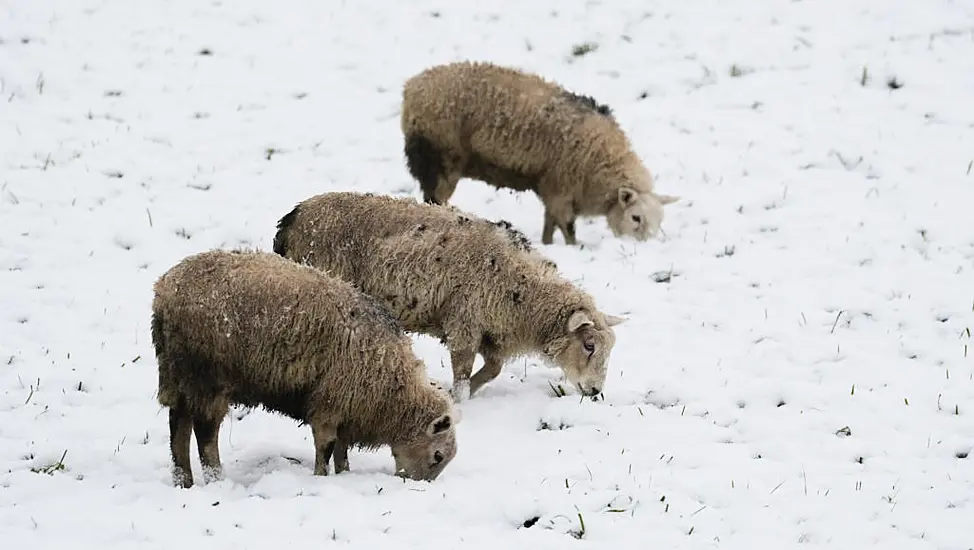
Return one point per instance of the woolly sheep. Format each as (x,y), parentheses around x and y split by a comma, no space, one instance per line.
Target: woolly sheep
(515,130)
(462,279)
(251,328)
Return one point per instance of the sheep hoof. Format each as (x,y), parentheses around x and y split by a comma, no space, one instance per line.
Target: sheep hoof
(211,475)
(460,391)
(181,478)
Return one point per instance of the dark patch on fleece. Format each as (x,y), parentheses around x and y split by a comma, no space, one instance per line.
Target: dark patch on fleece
(378,315)
(588,102)
(200,379)
(501,177)
(514,236)
(283,228)
(425,164)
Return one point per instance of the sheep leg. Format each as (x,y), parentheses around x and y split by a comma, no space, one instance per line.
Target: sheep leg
(568,230)
(325,436)
(561,216)
(445,186)
(341,456)
(462,363)
(548,232)
(207,442)
(492,367)
(180,433)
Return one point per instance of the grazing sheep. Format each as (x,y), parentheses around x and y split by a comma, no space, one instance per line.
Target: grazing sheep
(251,328)
(515,130)
(456,277)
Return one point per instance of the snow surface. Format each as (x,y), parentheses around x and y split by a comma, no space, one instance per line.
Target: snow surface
(803,380)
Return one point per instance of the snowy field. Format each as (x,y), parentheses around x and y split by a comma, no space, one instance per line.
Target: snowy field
(797,370)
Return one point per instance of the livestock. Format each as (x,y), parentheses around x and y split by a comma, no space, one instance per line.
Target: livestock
(513,129)
(456,277)
(251,328)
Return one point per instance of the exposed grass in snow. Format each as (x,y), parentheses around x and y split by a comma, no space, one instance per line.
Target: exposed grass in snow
(796,369)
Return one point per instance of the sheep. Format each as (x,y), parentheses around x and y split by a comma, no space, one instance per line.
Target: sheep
(455,277)
(251,328)
(515,130)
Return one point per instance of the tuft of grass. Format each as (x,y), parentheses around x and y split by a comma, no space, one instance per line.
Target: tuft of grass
(580,533)
(270,152)
(969,165)
(51,468)
(558,390)
(585,48)
(205,51)
(32,387)
(736,72)
(864,79)
(593,398)
(893,84)
(836,322)
(844,431)
(553,427)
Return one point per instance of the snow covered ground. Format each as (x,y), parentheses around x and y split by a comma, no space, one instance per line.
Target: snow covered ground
(803,376)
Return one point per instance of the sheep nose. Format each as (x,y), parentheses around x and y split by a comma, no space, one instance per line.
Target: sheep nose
(595,390)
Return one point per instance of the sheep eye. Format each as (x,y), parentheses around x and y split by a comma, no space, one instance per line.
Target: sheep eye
(589,346)
(437,457)
(637,218)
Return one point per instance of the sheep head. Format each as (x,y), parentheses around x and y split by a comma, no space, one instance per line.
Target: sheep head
(582,351)
(637,214)
(425,455)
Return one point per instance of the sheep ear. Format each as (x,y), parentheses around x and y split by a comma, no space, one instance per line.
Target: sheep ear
(613,320)
(626,196)
(441,424)
(667,199)
(578,320)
